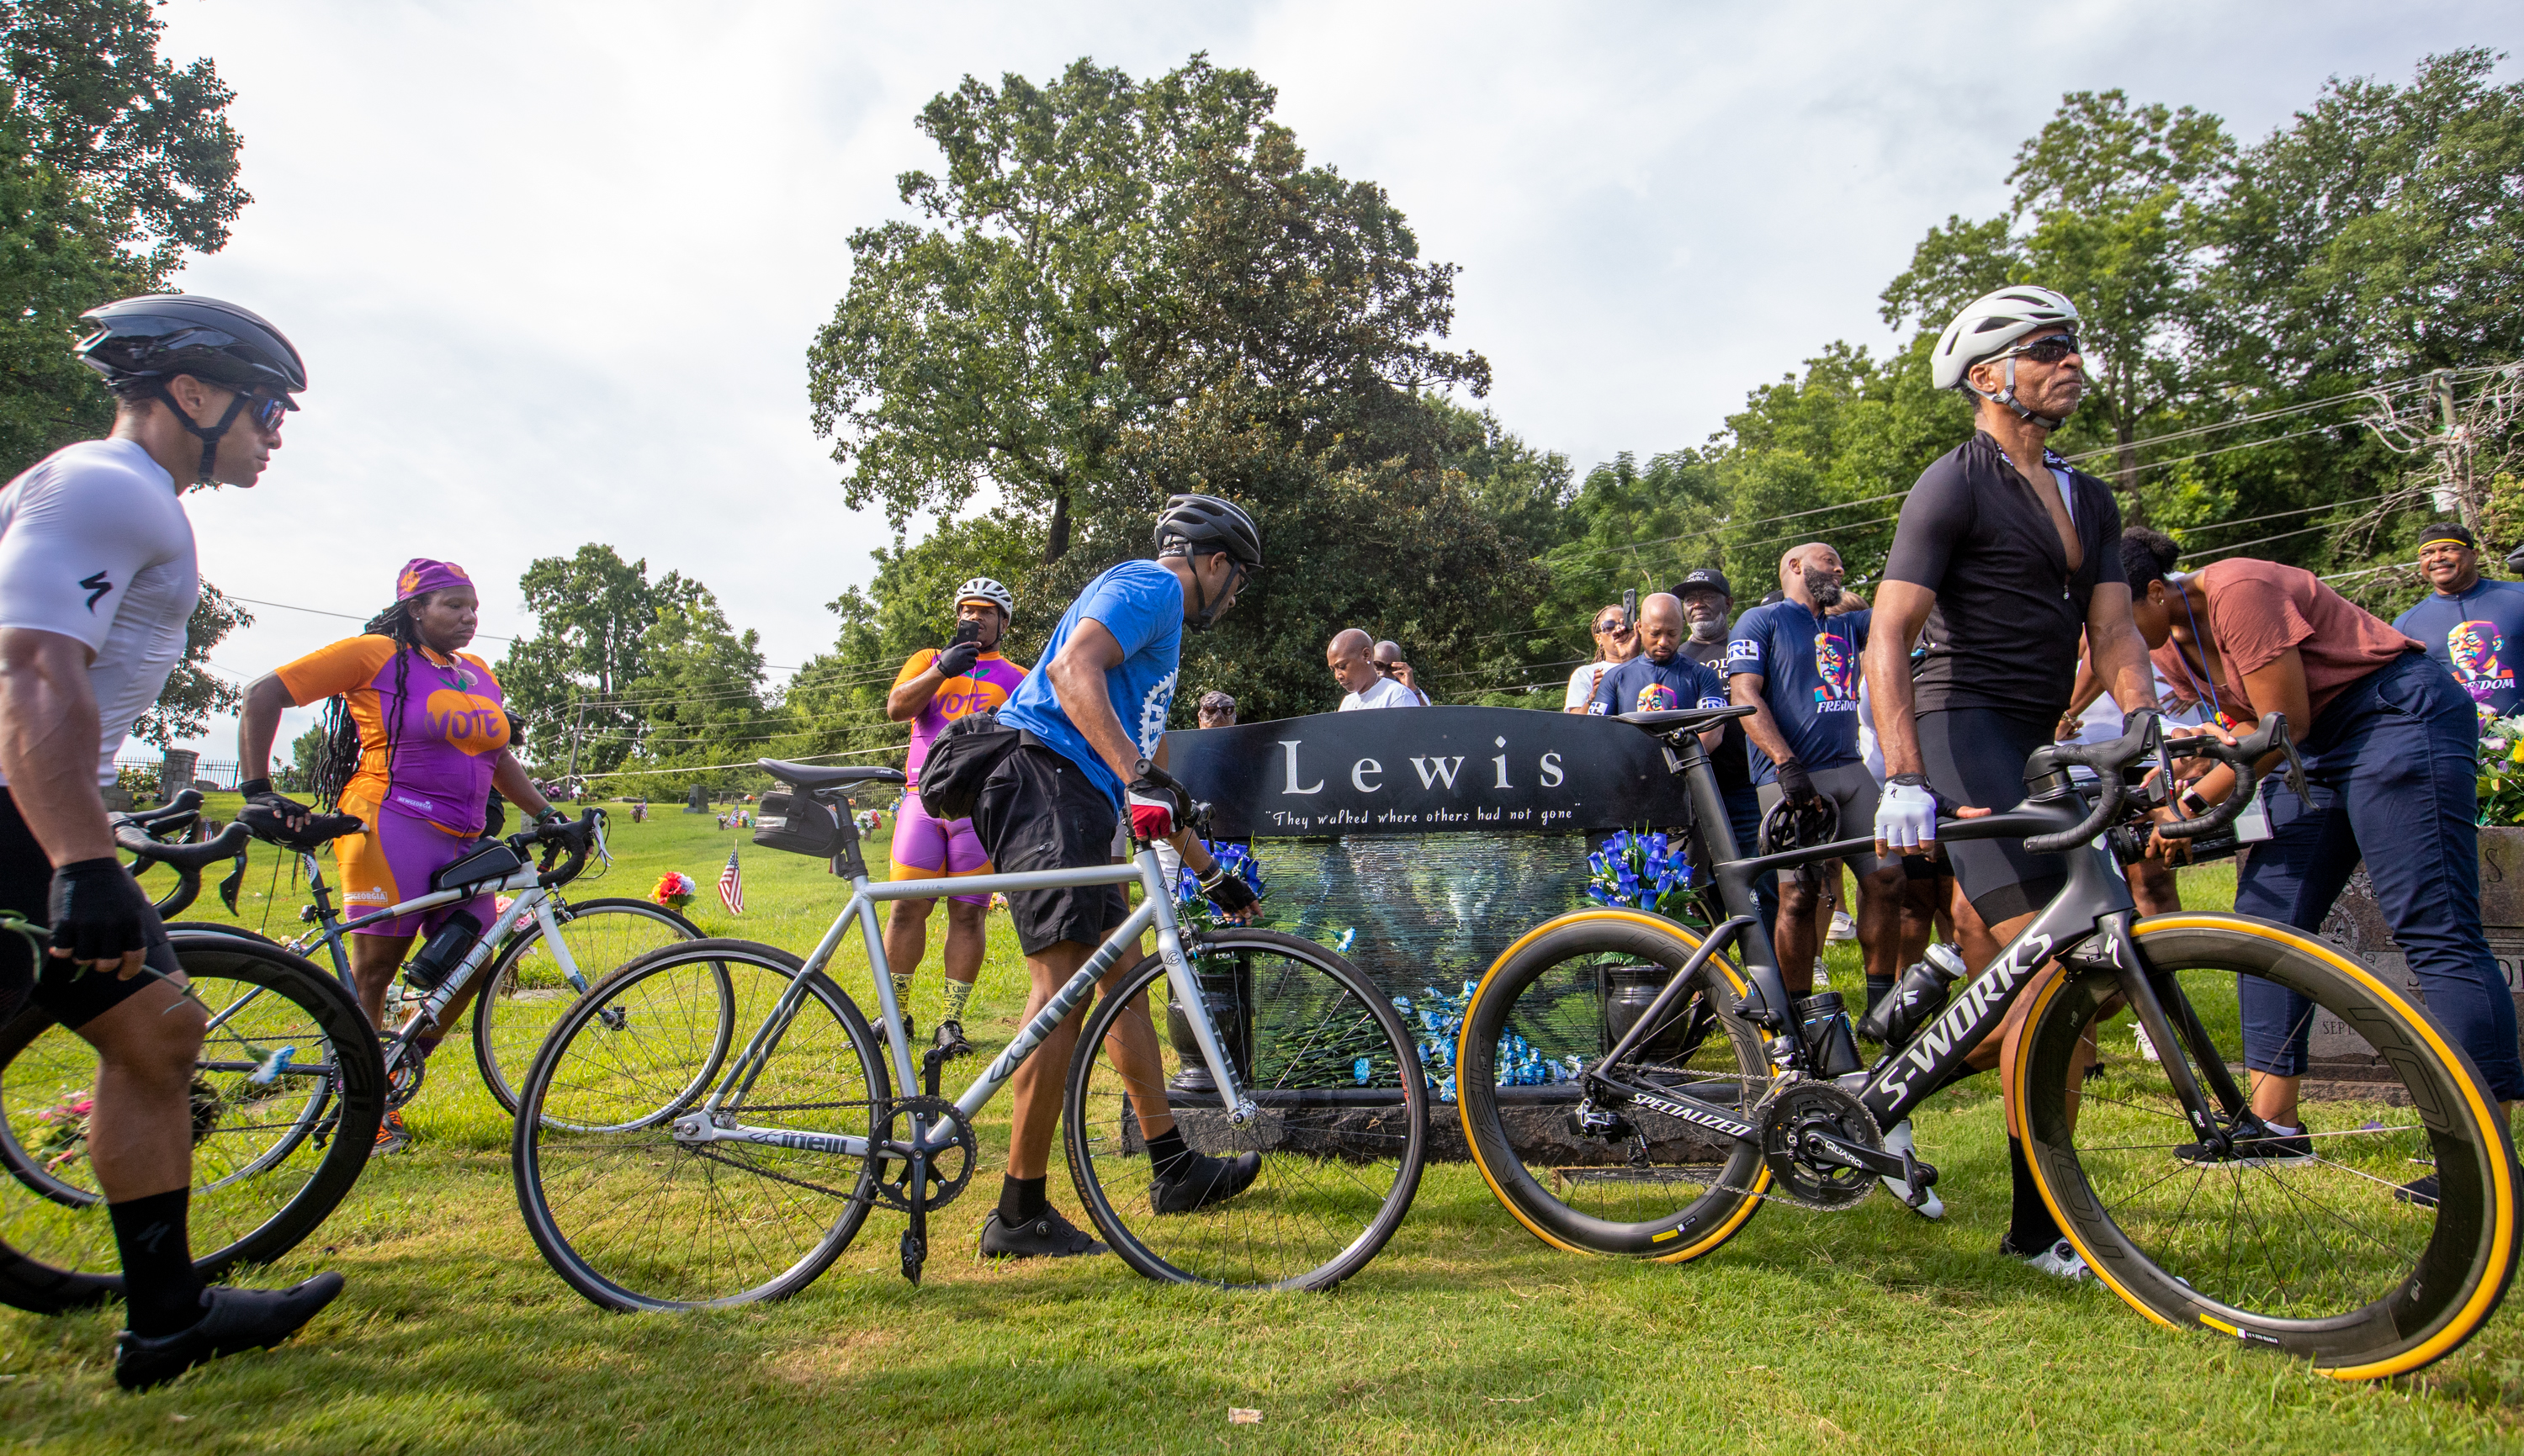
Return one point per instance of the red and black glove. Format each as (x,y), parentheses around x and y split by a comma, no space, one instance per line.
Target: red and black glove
(1156,803)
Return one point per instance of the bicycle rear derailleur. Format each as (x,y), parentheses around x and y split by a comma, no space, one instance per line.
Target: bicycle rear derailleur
(916,1179)
(1824,1150)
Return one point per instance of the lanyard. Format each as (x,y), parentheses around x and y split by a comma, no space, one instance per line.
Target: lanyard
(2198,688)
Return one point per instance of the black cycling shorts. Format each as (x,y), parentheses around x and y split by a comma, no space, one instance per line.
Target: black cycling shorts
(73,996)
(1039,812)
(1975,758)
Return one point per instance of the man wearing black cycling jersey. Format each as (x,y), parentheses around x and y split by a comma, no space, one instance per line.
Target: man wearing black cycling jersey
(2005,555)
(97,582)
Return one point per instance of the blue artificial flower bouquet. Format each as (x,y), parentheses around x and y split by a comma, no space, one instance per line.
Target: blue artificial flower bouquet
(1643,871)
(1192,910)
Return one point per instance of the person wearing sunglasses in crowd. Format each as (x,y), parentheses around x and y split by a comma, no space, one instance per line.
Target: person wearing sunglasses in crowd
(1616,643)
(2008,558)
(98,580)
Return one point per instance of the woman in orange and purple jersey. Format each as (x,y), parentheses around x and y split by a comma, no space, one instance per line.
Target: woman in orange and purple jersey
(417,740)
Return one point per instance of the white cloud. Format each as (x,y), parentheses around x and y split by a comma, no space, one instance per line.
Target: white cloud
(556,267)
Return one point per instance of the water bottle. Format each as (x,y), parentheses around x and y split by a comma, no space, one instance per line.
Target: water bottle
(443,950)
(1915,998)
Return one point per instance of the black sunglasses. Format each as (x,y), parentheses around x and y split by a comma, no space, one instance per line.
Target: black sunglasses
(2048,351)
(1611,626)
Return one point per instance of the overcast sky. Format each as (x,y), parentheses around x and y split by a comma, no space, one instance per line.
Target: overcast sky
(555,267)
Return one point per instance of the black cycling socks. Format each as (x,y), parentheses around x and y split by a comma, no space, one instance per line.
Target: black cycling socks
(1876,991)
(2030,1228)
(162,1292)
(1022,1200)
(1166,1151)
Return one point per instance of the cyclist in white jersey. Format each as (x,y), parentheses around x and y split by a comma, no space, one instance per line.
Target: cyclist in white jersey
(97,582)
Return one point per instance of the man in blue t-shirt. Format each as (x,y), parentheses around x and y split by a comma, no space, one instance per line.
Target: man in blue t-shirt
(1096,709)
(1664,677)
(1797,667)
(2468,624)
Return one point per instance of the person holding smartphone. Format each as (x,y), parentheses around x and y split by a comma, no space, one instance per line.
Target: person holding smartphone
(934,688)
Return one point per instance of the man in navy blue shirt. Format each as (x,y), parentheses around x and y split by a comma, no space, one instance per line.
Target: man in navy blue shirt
(2474,629)
(1797,669)
(1664,677)
(1096,715)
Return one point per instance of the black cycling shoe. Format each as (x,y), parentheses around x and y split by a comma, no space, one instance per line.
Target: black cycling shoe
(950,1041)
(233,1320)
(2253,1145)
(1047,1237)
(1200,1180)
(2421,1191)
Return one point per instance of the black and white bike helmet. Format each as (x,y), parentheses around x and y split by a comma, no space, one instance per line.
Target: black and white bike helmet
(140,343)
(1990,325)
(983,589)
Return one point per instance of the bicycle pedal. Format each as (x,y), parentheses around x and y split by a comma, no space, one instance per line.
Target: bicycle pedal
(915,1253)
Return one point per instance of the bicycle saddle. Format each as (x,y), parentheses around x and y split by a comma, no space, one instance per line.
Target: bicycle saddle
(1669,719)
(815,778)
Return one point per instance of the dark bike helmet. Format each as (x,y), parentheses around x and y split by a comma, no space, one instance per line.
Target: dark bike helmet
(1799,826)
(140,343)
(1192,525)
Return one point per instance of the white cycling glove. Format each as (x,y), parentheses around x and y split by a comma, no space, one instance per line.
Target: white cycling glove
(1906,816)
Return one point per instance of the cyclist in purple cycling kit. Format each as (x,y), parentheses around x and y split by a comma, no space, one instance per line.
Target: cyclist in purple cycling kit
(934,688)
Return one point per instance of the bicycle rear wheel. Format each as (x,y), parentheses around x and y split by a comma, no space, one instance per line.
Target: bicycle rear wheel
(1341,1130)
(2318,1256)
(1655,1186)
(525,991)
(286,1095)
(634,1220)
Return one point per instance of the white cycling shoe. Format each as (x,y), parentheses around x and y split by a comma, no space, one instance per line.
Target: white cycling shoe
(1897,1140)
(2059,1261)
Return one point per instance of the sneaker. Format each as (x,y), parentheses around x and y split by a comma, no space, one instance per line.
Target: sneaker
(1048,1237)
(950,1039)
(1842,927)
(232,1321)
(1198,1180)
(2256,1145)
(2059,1261)
(392,1135)
(2421,1191)
(1898,1141)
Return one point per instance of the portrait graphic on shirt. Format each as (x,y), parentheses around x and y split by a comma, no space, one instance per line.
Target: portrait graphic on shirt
(1656,697)
(1834,693)
(2474,647)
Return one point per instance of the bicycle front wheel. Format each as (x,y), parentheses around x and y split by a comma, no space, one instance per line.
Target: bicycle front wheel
(527,989)
(1644,1183)
(636,1219)
(2310,1247)
(286,1095)
(1340,1133)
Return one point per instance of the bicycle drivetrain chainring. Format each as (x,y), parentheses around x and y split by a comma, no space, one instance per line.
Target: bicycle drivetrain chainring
(1795,1121)
(946,1171)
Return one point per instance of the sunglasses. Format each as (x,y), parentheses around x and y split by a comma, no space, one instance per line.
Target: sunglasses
(1611,627)
(266,410)
(2048,351)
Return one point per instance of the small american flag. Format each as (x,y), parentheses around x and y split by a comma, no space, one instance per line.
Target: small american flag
(731,886)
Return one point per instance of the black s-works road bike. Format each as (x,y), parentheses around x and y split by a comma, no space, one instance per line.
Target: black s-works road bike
(1661,1137)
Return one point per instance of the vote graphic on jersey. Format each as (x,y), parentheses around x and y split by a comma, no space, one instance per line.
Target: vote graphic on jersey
(2474,647)
(1833,692)
(474,724)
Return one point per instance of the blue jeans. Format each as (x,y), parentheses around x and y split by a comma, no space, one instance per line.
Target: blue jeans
(2392,769)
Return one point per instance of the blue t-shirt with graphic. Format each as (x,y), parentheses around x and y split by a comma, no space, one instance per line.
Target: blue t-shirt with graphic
(1640,685)
(1140,603)
(1809,666)
(2478,636)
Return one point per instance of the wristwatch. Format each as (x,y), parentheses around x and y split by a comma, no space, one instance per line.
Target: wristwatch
(2195,804)
(1913,780)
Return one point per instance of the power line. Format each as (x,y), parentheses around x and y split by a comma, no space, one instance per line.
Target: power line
(633,773)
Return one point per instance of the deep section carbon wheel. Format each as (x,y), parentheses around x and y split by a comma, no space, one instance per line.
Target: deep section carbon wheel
(2312,1246)
(287,1092)
(1619,1179)
(1339,1125)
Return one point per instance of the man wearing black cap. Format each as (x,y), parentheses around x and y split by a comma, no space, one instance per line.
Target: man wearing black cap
(1707,606)
(2468,623)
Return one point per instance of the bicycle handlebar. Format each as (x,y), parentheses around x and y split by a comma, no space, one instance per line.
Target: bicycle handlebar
(570,844)
(2244,755)
(2110,759)
(187,861)
(2106,759)
(185,806)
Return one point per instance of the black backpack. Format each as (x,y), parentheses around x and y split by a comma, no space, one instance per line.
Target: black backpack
(960,760)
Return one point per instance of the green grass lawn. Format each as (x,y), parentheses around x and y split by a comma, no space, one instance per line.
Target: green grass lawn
(1868,1329)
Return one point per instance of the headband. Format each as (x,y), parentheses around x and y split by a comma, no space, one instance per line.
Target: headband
(421,576)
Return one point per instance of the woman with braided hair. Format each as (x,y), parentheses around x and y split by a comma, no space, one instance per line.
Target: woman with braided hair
(416,739)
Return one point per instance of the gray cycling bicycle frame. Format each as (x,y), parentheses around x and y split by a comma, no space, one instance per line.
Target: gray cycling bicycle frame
(1155,912)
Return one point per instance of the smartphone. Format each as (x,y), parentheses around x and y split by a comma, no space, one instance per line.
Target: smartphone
(967,631)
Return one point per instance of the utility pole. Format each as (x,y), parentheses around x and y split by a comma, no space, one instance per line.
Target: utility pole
(577,712)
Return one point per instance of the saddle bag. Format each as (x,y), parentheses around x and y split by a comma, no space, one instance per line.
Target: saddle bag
(491,859)
(960,760)
(798,823)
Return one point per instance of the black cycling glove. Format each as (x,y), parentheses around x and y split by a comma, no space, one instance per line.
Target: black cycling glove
(958,658)
(1795,783)
(1228,891)
(98,910)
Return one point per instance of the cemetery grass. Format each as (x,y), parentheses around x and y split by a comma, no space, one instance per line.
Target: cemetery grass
(1864,1331)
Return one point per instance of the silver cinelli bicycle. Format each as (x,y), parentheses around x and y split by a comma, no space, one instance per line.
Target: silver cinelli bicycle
(713,1123)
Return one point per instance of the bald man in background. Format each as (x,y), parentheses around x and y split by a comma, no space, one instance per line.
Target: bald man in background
(1354,668)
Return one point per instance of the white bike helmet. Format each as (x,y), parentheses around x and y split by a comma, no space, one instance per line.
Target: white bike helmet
(1994,323)
(983,589)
